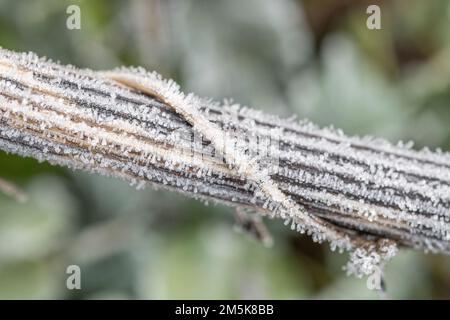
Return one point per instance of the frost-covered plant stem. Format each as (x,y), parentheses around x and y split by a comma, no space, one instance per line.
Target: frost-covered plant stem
(12,190)
(361,194)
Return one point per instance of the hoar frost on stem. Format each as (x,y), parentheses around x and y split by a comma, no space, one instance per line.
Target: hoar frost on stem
(364,195)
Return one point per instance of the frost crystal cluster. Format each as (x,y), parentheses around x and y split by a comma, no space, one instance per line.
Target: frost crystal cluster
(364,195)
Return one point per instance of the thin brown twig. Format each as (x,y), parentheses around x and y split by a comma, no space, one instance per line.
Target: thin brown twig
(356,192)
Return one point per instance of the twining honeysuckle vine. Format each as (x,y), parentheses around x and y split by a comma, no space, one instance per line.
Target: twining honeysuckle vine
(363,195)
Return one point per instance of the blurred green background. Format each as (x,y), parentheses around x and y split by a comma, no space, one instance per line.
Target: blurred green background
(316,59)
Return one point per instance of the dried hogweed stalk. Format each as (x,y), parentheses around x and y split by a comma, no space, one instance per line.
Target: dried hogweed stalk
(364,195)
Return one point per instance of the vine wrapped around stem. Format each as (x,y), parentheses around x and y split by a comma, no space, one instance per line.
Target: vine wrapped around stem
(361,194)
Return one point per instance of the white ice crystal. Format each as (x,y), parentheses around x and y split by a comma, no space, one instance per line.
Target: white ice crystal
(365,261)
